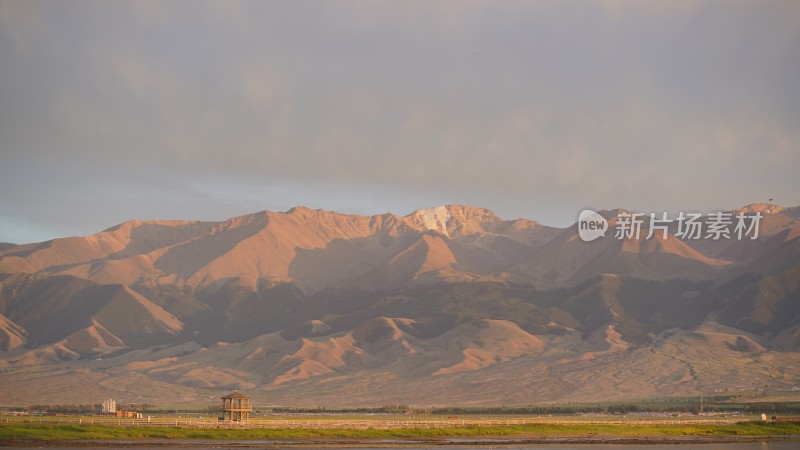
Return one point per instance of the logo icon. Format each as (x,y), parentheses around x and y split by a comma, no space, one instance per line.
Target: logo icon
(591,225)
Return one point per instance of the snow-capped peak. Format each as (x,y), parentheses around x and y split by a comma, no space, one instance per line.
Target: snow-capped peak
(435,218)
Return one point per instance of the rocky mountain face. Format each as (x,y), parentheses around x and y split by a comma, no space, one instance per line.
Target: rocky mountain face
(451,305)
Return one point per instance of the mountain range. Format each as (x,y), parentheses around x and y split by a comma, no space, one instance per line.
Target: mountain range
(450,305)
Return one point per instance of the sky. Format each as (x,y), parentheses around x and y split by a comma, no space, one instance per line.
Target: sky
(115,111)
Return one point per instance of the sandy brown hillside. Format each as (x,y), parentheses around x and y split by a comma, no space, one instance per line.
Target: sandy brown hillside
(567,259)
(777,226)
(447,305)
(11,335)
(312,248)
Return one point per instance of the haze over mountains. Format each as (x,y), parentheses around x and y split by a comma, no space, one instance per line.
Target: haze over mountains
(451,305)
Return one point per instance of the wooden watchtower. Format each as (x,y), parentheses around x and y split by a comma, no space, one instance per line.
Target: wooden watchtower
(236,407)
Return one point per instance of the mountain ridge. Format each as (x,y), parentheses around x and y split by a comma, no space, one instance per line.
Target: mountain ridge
(293,304)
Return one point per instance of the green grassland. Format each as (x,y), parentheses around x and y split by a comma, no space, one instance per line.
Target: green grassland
(88,432)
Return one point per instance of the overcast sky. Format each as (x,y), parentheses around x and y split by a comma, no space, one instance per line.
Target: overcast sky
(111,111)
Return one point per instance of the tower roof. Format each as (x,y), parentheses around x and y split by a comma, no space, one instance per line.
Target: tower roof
(235,394)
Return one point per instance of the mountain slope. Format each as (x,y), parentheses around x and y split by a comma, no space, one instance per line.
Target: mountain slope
(451,304)
(567,259)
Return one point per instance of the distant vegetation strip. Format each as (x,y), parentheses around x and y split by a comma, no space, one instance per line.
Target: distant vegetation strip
(362,423)
(55,432)
(726,404)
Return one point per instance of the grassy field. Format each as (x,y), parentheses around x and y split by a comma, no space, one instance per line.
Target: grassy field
(87,432)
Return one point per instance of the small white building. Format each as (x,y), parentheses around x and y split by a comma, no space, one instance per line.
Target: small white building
(109,406)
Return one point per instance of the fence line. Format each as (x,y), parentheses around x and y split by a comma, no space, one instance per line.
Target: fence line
(356,424)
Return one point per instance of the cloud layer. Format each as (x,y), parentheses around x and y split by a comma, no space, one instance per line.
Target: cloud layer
(202,110)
